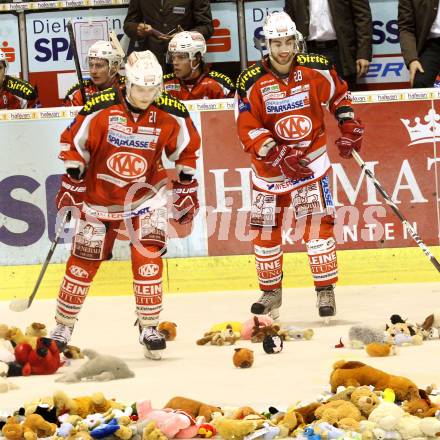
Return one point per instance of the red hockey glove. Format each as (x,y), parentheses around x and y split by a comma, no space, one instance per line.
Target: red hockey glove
(291,161)
(352,133)
(185,201)
(71,192)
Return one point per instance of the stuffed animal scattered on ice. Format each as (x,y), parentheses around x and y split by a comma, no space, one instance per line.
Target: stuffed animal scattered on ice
(100,368)
(243,358)
(357,373)
(431,324)
(192,407)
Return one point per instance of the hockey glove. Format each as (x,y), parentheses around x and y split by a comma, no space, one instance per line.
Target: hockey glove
(71,192)
(185,201)
(291,161)
(352,131)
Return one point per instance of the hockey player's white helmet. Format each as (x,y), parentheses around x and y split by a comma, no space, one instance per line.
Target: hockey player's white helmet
(105,50)
(278,25)
(142,69)
(4,59)
(187,42)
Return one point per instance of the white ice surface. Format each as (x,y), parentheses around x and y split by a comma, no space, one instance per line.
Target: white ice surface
(300,372)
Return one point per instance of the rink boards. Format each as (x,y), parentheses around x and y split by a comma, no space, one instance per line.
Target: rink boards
(400,145)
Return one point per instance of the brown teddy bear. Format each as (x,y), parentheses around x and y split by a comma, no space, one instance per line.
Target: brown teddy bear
(422,407)
(307,412)
(73,352)
(223,337)
(357,374)
(36,329)
(35,427)
(365,399)
(339,413)
(377,349)
(260,331)
(12,429)
(243,358)
(193,407)
(168,329)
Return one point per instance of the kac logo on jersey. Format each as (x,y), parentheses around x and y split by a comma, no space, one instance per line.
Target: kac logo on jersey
(141,141)
(294,102)
(79,272)
(294,127)
(148,270)
(127,165)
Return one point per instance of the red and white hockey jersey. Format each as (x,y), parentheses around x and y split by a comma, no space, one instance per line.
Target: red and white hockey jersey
(289,111)
(119,150)
(209,85)
(16,94)
(74,97)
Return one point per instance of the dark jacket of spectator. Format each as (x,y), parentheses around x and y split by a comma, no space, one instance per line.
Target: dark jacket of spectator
(165,16)
(415,19)
(353,26)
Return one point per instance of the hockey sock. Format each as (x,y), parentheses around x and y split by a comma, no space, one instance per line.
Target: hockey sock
(147,285)
(269,265)
(74,288)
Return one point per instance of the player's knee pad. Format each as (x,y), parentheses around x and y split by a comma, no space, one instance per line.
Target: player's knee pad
(150,229)
(323,261)
(93,239)
(269,265)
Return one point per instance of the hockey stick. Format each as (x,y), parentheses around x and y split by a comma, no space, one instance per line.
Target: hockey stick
(116,44)
(20,305)
(396,210)
(76,59)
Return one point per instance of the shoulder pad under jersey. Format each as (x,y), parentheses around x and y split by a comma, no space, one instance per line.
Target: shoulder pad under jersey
(169,76)
(76,87)
(20,88)
(249,76)
(313,61)
(171,105)
(223,79)
(100,101)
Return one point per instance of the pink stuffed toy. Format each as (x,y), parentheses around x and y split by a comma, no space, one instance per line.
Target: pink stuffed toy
(248,325)
(173,423)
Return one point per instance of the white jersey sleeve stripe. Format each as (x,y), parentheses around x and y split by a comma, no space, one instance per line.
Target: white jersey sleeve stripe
(80,139)
(182,139)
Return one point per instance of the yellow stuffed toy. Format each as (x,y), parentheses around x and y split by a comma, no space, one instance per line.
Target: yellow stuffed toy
(35,427)
(12,429)
(82,406)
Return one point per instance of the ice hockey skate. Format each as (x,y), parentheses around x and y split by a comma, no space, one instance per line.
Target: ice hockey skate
(325,301)
(269,303)
(152,341)
(61,334)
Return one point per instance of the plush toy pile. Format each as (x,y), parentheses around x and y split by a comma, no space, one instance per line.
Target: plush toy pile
(364,403)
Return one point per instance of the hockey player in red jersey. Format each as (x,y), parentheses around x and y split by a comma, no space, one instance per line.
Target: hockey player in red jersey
(104,62)
(14,93)
(280,117)
(112,153)
(191,78)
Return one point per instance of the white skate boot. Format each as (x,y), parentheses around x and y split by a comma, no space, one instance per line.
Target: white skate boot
(152,341)
(326,303)
(61,334)
(268,303)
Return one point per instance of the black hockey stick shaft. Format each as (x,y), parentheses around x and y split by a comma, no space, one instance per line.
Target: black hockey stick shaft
(53,245)
(76,60)
(396,210)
